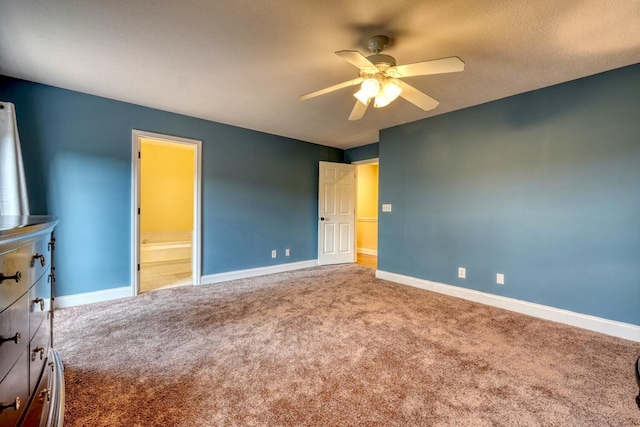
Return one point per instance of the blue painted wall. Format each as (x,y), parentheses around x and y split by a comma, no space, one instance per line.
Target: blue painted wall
(543,187)
(364,152)
(259,190)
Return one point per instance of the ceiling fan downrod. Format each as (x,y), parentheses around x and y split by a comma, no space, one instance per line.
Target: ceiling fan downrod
(377,44)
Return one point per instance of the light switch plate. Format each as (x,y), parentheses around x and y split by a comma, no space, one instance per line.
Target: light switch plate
(386,207)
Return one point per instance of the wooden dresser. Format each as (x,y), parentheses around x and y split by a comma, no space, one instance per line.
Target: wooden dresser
(31,373)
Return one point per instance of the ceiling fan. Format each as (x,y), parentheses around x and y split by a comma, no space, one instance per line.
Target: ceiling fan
(380,78)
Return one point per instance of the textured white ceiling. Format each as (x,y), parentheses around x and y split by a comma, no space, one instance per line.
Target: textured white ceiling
(244,62)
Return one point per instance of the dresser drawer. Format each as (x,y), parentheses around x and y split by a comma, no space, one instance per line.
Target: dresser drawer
(13,274)
(40,258)
(38,350)
(39,303)
(20,268)
(14,333)
(38,412)
(14,392)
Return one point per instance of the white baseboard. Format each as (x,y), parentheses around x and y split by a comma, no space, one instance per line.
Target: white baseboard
(116,293)
(253,272)
(90,297)
(366,251)
(598,324)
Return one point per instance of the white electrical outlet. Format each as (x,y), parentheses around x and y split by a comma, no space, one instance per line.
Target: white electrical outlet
(462,272)
(274,253)
(386,207)
(287,252)
(500,279)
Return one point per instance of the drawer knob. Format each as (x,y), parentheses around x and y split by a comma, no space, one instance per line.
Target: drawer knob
(39,301)
(15,338)
(15,405)
(35,352)
(40,257)
(15,277)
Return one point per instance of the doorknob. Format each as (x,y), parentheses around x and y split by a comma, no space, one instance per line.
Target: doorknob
(322,218)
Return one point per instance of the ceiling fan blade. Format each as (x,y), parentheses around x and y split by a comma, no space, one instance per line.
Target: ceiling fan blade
(358,110)
(437,66)
(331,88)
(359,60)
(416,97)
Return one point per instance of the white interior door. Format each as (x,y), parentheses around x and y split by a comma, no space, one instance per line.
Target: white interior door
(336,213)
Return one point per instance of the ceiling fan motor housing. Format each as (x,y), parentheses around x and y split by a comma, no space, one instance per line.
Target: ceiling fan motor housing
(382,61)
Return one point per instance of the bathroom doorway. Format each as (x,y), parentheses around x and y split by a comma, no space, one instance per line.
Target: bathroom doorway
(167,219)
(367,213)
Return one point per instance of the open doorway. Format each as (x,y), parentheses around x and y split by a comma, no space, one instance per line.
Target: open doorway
(166,231)
(367,213)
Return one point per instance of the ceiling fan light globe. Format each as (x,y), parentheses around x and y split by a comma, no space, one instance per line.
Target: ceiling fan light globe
(370,87)
(362,97)
(381,102)
(390,91)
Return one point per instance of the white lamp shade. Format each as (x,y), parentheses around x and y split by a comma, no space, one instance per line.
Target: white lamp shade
(390,91)
(362,97)
(370,87)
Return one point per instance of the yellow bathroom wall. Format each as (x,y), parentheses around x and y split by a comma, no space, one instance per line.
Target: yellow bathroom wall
(367,208)
(166,181)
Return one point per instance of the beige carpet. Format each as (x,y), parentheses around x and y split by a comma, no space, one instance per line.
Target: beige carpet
(334,346)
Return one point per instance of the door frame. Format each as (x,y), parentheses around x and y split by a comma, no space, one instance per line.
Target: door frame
(372,161)
(196,246)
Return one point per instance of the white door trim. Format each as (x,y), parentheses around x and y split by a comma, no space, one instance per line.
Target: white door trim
(135,204)
(373,161)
